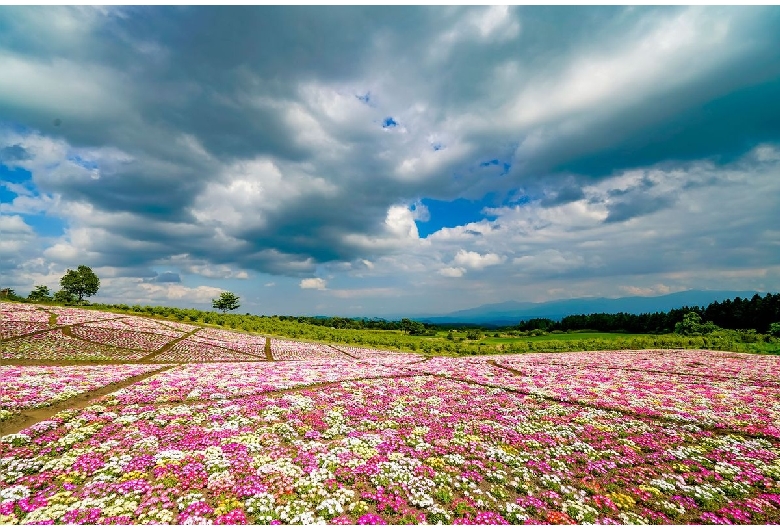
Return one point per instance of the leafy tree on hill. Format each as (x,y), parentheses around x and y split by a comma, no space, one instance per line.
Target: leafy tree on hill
(64,297)
(81,282)
(40,294)
(6,293)
(227,301)
(774,329)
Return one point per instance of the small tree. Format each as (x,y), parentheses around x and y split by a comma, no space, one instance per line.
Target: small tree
(226,302)
(64,297)
(774,329)
(40,294)
(6,293)
(81,282)
(412,327)
(691,324)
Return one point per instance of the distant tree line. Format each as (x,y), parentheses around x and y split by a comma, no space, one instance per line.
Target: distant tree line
(757,313)
(408,326)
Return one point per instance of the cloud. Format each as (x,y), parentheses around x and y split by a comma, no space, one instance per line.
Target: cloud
(475,260)
(452,272)
(655,290)
(313,283)
(578,127)
(153,291)
(167,277)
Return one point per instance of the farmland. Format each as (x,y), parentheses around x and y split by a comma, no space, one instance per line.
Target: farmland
(114,418)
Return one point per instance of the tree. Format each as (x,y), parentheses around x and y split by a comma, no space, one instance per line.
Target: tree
(81,282)
(64,297)
(6,293)
(691,325)
(40,294)
(412,327)
(226,302)
(774,329)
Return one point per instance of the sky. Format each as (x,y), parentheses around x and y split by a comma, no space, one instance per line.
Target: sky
(367,161)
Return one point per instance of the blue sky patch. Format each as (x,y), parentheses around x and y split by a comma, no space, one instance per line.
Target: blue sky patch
(389,122)
(449,214)
(44,225)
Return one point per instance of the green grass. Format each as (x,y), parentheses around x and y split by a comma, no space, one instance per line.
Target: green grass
(561,336)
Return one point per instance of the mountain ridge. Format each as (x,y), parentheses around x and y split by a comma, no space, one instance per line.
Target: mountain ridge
(504,313)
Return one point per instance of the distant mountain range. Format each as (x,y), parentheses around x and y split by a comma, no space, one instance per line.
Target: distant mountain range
(507,313)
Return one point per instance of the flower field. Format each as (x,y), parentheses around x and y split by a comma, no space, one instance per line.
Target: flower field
(26,387)
(191,351)
(347,435)
(250,344)
(229,380)
(291,350)
(55,345)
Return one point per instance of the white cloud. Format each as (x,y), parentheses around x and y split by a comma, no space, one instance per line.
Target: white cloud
(452,272)
(475,260)
(313,283)
(400,222)
(201,294)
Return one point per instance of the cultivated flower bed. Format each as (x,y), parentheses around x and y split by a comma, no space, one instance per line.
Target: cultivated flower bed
(122,338)
(26,387)
(179,326)
(12,328)
(380,355)
(70,315)
(190,351)
(228,380)
(722,403)
(54,345)
(23,313)
(421,449)
(251,344)
(710,364)
(135,324)
(290,350)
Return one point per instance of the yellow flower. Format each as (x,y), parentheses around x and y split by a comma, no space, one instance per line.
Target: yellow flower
(650,489)
(622,500)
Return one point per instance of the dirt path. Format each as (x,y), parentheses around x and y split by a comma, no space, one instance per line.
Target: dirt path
(56,327)
(28,417)
(170,345)
(345,353)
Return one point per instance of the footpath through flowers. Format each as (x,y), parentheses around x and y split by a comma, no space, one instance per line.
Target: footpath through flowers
(320,433)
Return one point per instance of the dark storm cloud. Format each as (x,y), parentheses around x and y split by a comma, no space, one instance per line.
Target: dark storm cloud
(569,193)
(636,206)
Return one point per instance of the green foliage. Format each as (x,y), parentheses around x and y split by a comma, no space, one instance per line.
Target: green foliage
(691,324)
(227,301)
(473,334)
(774,329)
(6,293)
(64,297)
(81,282)
(41,293)
(411,327)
